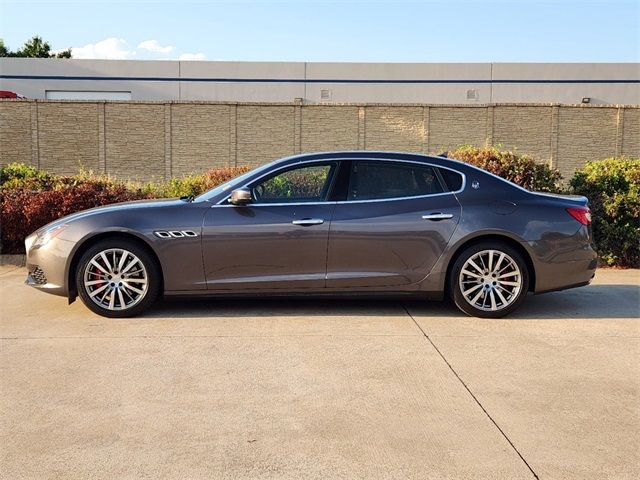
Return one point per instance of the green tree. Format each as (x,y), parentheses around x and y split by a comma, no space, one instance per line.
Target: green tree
(3,50)
(34,48)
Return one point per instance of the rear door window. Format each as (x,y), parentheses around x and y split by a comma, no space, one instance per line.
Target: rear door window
(374,180)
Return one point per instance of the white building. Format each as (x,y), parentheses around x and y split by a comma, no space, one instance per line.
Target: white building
(432,83)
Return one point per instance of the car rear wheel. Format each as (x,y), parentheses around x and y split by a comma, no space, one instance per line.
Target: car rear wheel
(489,280)
(117,278)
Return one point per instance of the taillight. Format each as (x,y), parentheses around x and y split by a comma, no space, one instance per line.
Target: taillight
(581,214)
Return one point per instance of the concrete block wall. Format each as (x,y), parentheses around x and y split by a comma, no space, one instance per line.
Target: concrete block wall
(75,147)
(200,136)
(134,141)
(159,140)
(329,128)
(16,132)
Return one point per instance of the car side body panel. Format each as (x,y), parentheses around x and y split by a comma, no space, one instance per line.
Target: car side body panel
(180,257)
(391,243)
(247,248)
(560,248)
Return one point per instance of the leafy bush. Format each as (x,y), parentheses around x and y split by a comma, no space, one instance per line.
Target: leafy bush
(19,175)
(519,169)
(218,176)
(193,184)
(613,189)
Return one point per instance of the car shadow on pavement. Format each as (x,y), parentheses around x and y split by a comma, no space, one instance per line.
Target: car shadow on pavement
(594,301)
(590,302)
(277,307)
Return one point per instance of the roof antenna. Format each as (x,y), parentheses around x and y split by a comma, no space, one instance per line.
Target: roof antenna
(444,154)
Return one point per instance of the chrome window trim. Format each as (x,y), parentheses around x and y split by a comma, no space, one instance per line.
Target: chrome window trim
(223,202)
(393,199)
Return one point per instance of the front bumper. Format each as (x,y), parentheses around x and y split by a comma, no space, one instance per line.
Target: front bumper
(47,265)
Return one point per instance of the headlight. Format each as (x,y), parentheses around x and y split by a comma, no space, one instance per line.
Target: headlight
(45,237)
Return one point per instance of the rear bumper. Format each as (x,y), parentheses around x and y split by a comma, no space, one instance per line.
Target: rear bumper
(571,275)
(563,263)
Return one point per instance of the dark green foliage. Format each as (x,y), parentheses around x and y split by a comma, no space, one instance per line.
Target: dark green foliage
(34,48)
(613,189)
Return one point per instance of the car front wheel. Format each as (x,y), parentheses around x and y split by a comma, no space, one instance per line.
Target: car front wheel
(117,278)
(489,280)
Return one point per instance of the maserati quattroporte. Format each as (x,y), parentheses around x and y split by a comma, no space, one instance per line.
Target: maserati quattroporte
(339,223)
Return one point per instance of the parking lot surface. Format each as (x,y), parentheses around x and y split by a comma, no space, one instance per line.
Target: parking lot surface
(203,389)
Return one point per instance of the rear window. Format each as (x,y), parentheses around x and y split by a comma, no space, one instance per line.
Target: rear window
(453,180)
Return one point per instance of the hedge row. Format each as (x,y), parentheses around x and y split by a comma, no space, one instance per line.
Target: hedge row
(30,198)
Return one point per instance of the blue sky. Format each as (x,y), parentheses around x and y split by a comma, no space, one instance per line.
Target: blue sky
(401,31)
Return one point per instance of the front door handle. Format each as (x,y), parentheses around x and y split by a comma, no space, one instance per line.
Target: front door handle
(307,222)
(437,216)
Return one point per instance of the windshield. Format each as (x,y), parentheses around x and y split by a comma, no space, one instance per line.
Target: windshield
(228,186)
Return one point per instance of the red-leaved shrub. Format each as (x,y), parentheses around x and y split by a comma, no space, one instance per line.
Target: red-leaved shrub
(218,176)
(25,210)
(31,198)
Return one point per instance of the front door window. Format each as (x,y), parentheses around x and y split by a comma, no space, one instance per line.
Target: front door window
(306,184)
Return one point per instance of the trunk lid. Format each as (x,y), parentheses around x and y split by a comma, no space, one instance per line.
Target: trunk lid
(574,199)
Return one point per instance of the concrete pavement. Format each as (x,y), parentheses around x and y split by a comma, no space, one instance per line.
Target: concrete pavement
(322,389)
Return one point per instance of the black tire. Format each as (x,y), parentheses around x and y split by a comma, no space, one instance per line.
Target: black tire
(488,281)
(139,303)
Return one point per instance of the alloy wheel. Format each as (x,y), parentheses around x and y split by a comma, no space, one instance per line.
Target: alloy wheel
(490,280)
(115,279)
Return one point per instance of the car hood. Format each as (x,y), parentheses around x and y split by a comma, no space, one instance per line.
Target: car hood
(137,204)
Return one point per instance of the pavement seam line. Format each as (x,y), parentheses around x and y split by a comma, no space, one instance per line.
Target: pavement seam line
(471,393)
(115,337)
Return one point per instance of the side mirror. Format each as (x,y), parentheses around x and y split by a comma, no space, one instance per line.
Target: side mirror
(240,196)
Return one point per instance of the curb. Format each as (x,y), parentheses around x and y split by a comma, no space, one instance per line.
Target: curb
(17,260)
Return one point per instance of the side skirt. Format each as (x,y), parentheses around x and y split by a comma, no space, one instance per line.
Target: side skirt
(417,295)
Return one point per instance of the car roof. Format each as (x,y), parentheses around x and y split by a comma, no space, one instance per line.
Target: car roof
(440,161)
(359,154)
(356,154)
(379,155)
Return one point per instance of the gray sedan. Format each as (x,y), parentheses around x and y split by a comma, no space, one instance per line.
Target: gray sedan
(339,223)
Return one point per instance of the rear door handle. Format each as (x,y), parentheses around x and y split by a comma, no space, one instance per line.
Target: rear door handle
(307,222)
(437,216)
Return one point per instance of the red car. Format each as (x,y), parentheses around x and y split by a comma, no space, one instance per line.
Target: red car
(10,94)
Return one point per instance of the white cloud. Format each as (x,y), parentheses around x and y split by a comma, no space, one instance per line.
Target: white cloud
(192,56)
(109,48)
(114,48)
(155,47)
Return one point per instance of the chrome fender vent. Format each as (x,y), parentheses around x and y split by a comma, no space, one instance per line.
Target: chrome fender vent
(175,233)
